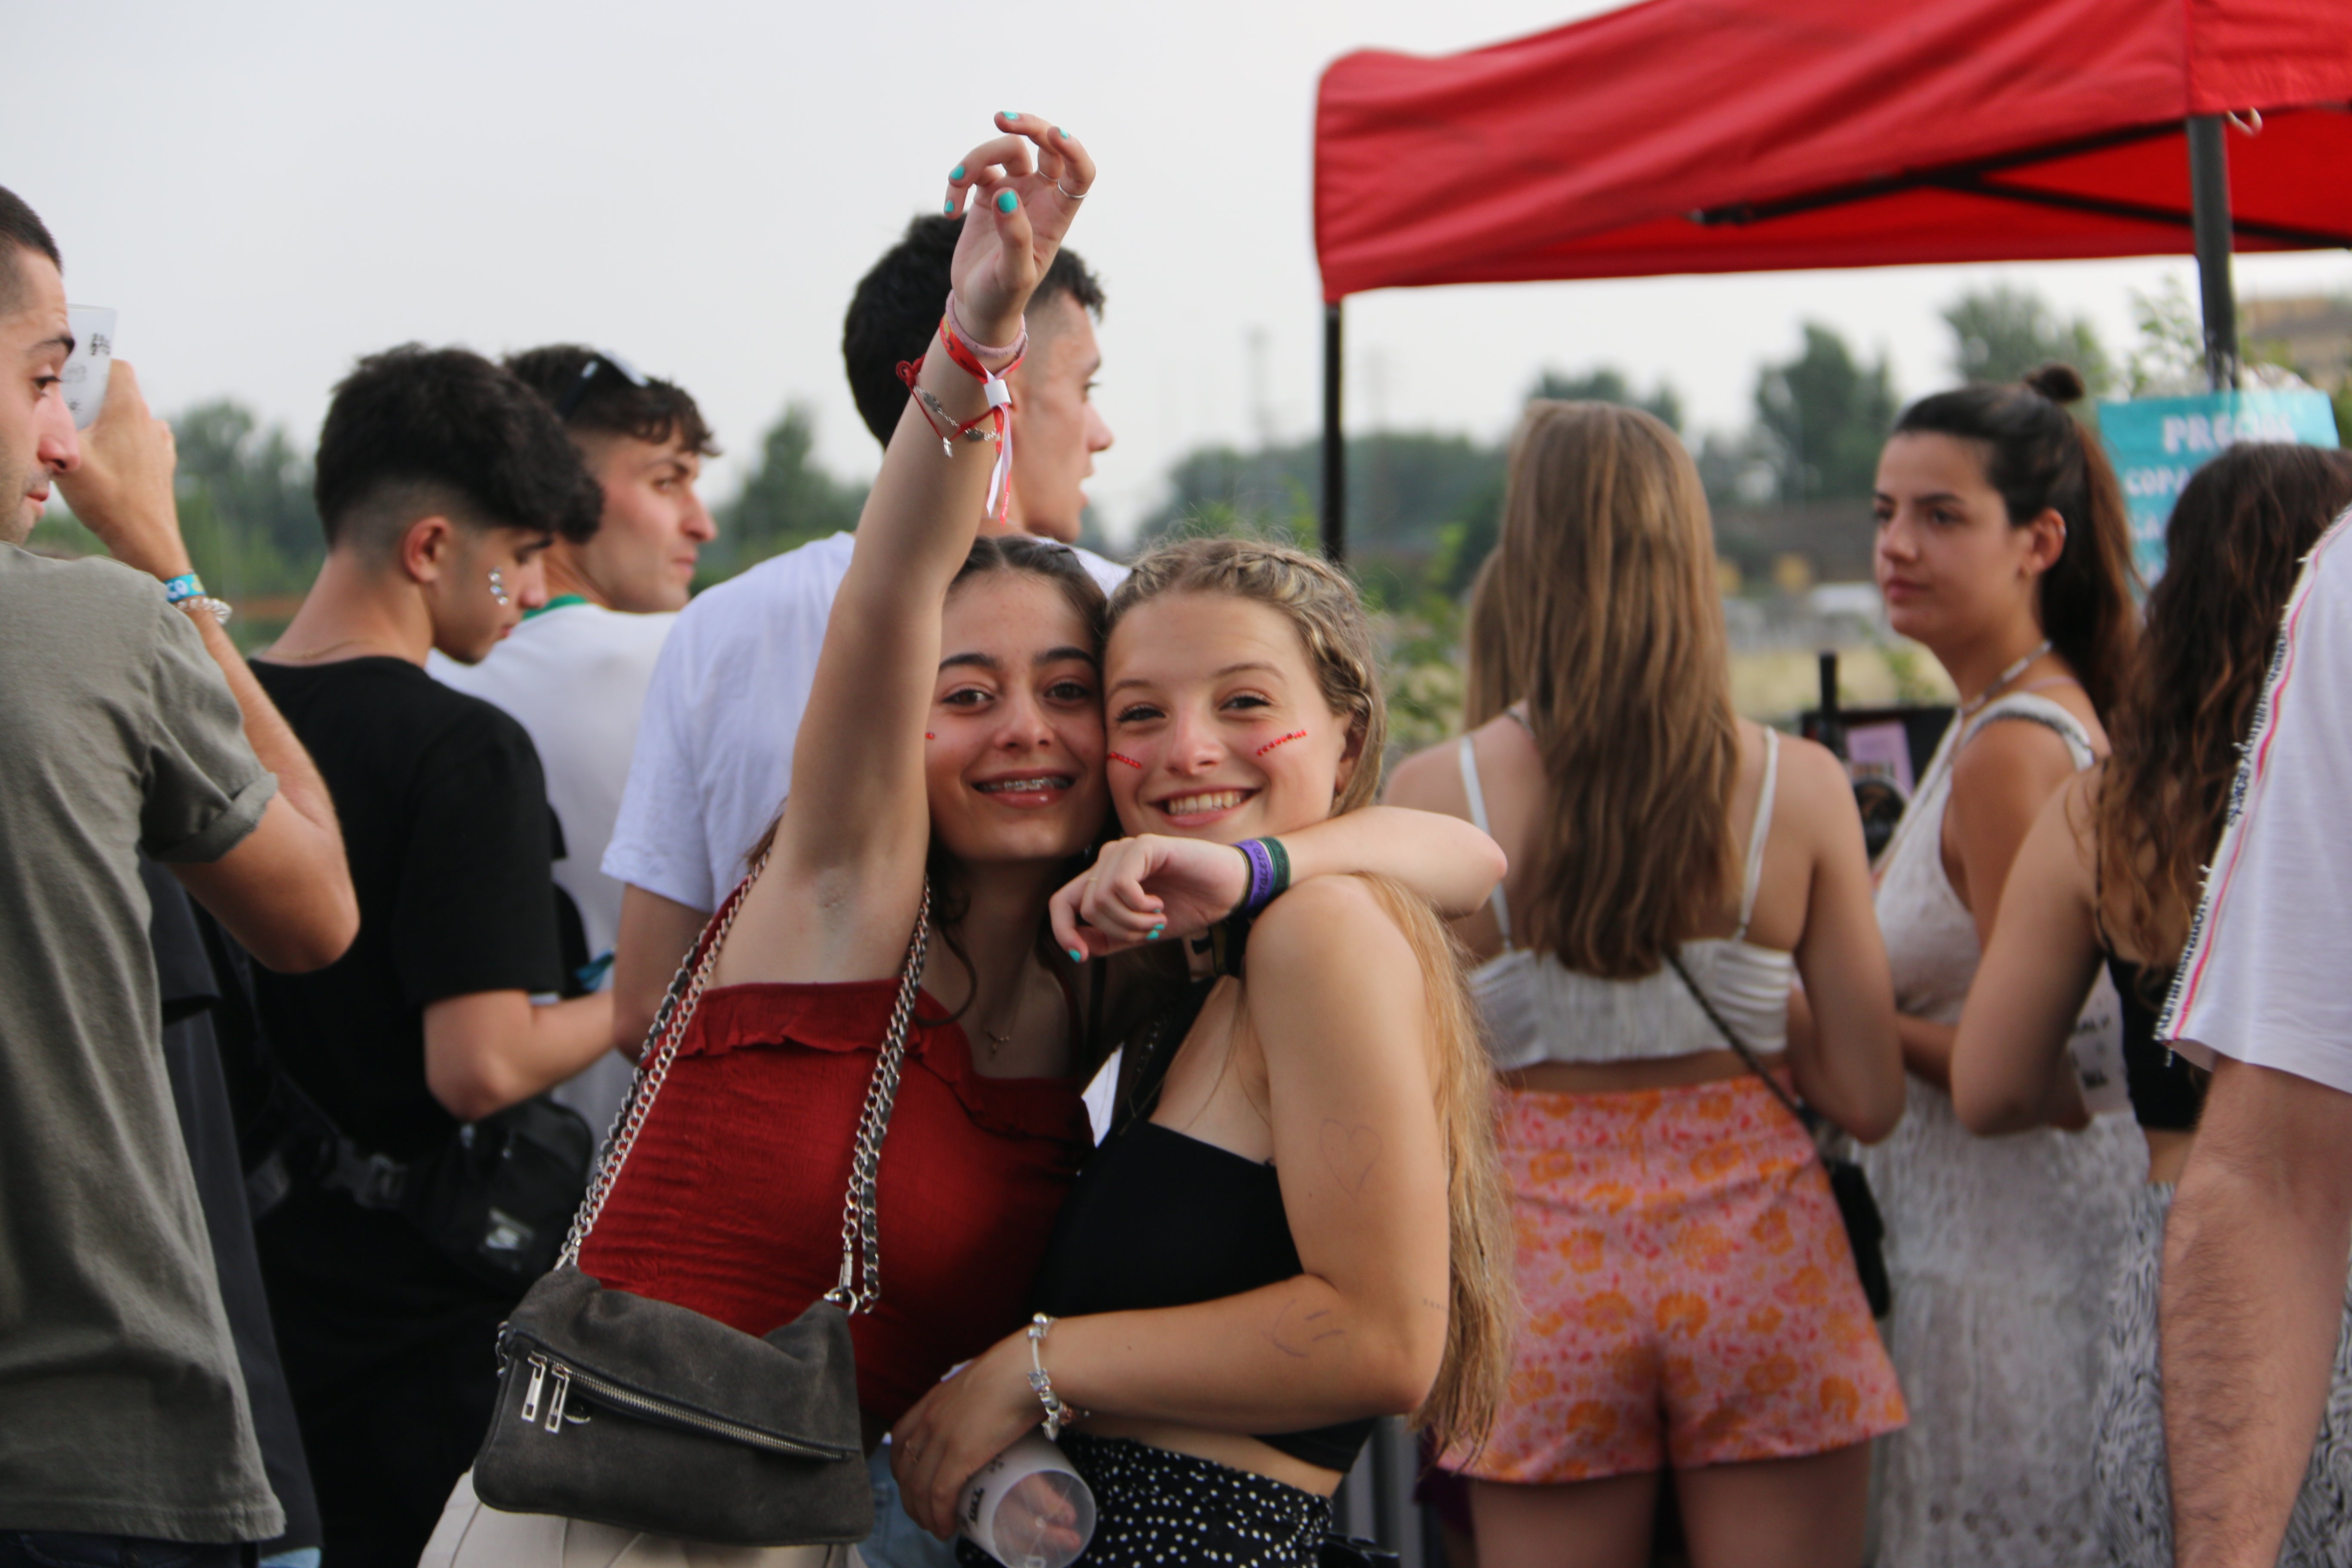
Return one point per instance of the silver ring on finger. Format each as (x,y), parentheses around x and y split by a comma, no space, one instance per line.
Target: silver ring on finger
(1074,195)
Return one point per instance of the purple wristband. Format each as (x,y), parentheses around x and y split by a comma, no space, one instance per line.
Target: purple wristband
(1261,884)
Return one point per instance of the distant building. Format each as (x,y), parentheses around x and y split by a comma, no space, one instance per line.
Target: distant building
(2311,335)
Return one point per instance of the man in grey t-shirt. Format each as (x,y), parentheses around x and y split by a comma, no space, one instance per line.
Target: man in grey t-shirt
(126,723)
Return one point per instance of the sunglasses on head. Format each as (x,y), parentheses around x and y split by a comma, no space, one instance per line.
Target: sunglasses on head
(598,362)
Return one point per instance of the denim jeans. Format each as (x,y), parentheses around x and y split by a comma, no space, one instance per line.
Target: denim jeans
(898,1541)
(56,1549)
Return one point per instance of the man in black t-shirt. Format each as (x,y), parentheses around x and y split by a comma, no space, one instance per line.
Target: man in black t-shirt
(440,479)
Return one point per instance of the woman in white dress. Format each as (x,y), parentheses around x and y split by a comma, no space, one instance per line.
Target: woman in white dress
(2002,547)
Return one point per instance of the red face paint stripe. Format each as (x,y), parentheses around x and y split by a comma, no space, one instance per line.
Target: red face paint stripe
(1130,762)
(1293,735)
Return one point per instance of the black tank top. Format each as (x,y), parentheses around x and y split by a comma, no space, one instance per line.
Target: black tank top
(1160,1220)
(2167,1092)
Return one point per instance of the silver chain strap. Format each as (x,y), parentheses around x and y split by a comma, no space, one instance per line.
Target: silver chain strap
(859,1224)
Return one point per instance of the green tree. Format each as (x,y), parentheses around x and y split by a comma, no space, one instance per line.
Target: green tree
(2000,333)
(1825,415)
(246,507)
(1606,384)
(2168,359)
(786,502)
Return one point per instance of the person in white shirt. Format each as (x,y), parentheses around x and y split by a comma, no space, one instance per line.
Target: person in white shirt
(2256,1251)
(574,673)
(714,751)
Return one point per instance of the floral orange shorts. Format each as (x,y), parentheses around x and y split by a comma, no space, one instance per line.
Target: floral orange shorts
(1686,1294)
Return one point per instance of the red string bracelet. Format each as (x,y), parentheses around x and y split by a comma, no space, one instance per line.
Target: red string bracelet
(996,416)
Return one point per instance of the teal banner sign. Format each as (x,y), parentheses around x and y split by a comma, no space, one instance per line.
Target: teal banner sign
(2155,443)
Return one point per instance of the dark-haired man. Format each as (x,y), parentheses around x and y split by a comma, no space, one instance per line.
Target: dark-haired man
(574,673)
(715,746)
(442,480)
(127,722)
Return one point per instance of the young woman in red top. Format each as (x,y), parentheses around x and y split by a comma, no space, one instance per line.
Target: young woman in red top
(954,727)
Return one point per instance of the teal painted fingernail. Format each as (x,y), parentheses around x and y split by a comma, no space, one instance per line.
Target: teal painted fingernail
(948,208)
(1006,201)
(1155,933)
(1062,133)
(1075,956)
(1010,113)
(956,173)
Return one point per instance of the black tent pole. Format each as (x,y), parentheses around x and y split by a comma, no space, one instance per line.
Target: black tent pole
(2209,197)
(1335,446)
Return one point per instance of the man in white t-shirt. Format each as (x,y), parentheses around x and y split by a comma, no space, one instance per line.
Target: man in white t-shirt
(2256,1250)
(574,673)
(715,750)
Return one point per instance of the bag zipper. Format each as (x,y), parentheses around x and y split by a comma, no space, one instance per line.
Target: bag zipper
(652,1409)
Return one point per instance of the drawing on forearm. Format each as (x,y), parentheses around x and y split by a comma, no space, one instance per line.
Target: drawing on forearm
(1297,1340)
(1351,1153)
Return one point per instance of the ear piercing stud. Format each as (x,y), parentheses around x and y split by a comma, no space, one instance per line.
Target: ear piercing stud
(1293,735)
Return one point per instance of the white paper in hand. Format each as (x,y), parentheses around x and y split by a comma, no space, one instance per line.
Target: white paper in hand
(86,368)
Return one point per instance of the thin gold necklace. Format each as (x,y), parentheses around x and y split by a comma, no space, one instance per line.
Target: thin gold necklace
(1021,1000)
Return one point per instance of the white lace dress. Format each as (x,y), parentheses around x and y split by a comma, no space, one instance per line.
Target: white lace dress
(2001,1250)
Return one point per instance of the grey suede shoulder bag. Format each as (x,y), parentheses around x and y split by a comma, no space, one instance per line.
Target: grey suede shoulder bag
(632,1412)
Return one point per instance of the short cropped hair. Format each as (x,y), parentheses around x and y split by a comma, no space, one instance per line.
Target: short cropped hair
(896,308)
(659,412)
(413,431)
(21,228)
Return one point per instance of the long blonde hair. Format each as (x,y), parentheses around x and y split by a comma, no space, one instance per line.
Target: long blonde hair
(1603,596)
(1321,604)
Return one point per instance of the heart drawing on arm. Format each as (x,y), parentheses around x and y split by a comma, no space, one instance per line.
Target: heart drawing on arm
(1351,1153)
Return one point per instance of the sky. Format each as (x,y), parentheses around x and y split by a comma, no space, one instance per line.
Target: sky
(266,191)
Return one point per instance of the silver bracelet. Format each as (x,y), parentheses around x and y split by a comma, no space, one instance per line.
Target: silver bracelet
(1057,1413)
(217,608)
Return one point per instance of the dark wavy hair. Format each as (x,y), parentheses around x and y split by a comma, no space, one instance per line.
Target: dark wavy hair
(659,412)
(2232,551)
(2041,459)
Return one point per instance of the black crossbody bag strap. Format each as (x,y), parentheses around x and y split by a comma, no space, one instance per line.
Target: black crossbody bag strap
(1865,1230)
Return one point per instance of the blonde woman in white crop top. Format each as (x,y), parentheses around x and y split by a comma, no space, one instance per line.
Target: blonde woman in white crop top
(1687,1294)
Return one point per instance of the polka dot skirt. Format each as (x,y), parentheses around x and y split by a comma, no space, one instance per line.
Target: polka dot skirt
(1154,1508)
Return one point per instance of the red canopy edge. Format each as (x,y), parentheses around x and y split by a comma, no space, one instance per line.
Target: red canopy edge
(1744,136)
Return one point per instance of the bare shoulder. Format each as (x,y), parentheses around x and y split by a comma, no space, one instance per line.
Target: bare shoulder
(1327,930)
(1815,795)
(2011,754)
(1428,781)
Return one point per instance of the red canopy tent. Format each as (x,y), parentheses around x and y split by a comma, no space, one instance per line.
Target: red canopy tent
(1758,135)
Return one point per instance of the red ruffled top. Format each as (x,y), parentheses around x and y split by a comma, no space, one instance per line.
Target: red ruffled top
(730,1202)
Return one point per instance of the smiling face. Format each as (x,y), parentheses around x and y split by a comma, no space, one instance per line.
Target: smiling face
(1224,728)
(1947,560)
(1014,764)
(36,434)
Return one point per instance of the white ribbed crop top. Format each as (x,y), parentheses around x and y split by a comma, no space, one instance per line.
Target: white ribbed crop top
(1535,1009)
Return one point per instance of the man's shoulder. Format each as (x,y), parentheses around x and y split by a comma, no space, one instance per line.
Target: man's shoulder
(787,595)
(817,566)
(89,585)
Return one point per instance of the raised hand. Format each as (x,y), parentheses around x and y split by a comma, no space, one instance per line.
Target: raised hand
(1150,887)
(123,490)
(1025,186)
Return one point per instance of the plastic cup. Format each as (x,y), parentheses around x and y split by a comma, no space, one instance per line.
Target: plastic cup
(86,369)
(1028,1508)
